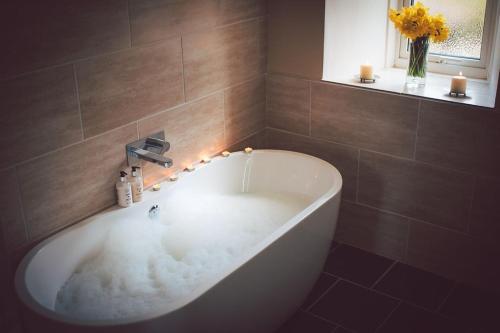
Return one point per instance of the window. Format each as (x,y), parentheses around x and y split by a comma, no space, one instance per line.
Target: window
(469,46)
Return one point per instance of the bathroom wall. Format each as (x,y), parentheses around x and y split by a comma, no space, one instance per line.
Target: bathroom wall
(421,177)
(80,79)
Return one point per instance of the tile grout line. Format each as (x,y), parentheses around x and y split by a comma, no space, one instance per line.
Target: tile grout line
(445,299)
(183,70)
(321,295)
(388,317)
(77,91)
(394,263)
(416,130)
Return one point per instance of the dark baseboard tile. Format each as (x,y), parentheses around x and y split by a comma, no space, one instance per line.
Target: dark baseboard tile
(12,224)
(416,190)
(344,158)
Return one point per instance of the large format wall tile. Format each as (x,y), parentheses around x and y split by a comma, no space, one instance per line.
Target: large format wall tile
(159,19)
(43,34)
(372,230)
(416,190)
(70,184)
(454,255)
(489,148)
(222,57)
(288,104)
(39,114)
(244,109)
(344,158)
(12,221)
(237,10)
(485,215)
(449,135)
(372,120)
(120,88)
(194,131)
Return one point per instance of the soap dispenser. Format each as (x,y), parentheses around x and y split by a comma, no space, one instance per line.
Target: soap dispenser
(124,191)
(137,185)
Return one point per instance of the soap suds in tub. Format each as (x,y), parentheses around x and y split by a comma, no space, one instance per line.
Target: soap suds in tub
(144,265)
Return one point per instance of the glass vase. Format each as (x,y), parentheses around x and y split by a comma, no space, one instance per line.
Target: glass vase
(417,65)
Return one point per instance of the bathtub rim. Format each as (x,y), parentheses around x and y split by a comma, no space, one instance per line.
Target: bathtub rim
(29,301)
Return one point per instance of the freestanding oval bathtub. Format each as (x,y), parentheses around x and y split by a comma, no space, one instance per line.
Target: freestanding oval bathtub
(255,292)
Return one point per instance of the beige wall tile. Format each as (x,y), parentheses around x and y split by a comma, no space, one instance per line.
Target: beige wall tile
(296,29)
(159,19)
(12,221)
(236,10)
(288,104)
(416,190)
(222,57)
(70,184)
(454,255)
(244,109)
(39,114)
(119,88)
(344,158)
(368,119)
(449,135)
(194,130)
(373,230)
(485,215)
(42,34)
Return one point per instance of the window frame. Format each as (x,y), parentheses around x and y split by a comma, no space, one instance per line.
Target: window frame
(478,69)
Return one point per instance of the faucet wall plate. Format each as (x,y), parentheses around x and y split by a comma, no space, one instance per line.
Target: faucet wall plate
(149,149)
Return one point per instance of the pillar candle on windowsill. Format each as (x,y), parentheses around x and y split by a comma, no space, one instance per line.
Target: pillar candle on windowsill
(366,72)
(458,84)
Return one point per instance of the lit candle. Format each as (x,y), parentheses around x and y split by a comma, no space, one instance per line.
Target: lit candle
(458,84)
(366,71)
(248,150)
(225,153)
(156,187)
(189,168)
(206,160)
(173,177)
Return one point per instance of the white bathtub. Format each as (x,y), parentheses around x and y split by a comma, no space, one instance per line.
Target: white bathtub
(257,293)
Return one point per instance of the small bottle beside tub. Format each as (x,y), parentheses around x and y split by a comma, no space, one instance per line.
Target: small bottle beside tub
(124,191)
(136,184)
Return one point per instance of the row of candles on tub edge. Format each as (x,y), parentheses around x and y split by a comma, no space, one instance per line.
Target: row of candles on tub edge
(205,160)
(458,83)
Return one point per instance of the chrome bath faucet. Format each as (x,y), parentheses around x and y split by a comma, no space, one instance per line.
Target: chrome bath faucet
(150,149)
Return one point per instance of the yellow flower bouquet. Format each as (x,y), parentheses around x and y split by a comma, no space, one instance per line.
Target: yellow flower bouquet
(419,26)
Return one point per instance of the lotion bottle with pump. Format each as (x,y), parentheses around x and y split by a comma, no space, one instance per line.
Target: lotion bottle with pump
(124,191)
(137,184)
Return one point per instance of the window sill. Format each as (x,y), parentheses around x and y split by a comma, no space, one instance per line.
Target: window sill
(479,92)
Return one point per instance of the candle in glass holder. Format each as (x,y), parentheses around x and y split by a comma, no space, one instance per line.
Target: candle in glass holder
(366,72)
(156,187)
(248,150)
(189,168)
(225,153)
(173,178)
(458,84)
(206,160)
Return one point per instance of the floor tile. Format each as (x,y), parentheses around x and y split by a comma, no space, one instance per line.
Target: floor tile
(303,322)
(409,319)
(342,330)
(356,265)
(415,286)
(478,309)
(354,307)
(324,282)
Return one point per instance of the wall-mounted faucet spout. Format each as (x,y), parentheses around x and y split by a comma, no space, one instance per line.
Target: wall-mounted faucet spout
(150,149)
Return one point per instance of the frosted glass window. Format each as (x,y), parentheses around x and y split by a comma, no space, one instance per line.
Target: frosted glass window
(466,21)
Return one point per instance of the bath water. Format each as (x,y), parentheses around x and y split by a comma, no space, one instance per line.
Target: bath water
(143,265)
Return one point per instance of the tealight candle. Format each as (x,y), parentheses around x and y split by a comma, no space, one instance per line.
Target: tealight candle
(206,160)
(189,168)
(156,187)
(173,177)
(458,84)
(225,153)
(366,72)
(248,150)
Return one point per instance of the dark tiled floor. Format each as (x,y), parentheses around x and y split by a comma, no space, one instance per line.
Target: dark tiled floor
(362,292)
